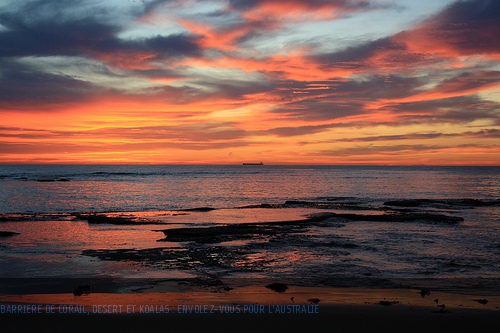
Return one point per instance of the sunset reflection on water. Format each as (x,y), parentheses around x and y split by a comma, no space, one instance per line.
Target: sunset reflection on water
(109,220)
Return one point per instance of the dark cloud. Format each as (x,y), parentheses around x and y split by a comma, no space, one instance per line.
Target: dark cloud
(484,134)
(24,133)
(318,110)
(207,88)
(378,86)
(195,133)
(51,35)
(235,89)
(356,57)
(244,5)
(469,26)
(57,32)
(300,130)
(461,109)
(168,46)
(22,85)
(389,53)
(468,81)
(328,100)
(366,152)
(202,132)
(410,136)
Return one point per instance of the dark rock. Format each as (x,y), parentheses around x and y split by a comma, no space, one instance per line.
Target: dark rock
(482,301)
(406,203)
(404,217)
(314,300)
(451,203)
(94,218)
(387,303)
(277,287)
(198,209)
(105,219)
(300,203)
(213,282)
(8,233)
(264,205)
(425,292)
(191,258)
(229,232)
(80,290)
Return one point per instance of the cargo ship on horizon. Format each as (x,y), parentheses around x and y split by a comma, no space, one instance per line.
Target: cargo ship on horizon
(260,163)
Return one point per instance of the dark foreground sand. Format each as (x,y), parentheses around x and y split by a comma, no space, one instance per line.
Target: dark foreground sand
(338,310)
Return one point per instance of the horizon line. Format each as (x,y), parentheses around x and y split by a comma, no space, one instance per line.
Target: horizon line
(240,164)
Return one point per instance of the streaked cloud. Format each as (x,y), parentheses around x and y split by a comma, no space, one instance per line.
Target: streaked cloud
(220,81)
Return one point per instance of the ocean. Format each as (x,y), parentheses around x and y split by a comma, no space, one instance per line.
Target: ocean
(315,225)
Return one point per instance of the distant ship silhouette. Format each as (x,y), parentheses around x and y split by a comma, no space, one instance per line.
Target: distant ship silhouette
(253,163)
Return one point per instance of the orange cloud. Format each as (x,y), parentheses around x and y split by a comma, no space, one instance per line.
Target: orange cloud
(295,9)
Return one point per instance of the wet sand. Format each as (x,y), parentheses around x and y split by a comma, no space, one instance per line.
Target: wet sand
(254,309)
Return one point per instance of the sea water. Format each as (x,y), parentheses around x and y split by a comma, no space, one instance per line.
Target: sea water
(42,204)
(45,188)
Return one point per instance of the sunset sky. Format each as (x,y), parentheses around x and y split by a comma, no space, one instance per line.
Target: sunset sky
(282,82)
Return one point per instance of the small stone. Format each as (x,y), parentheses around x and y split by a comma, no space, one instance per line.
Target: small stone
(277,287)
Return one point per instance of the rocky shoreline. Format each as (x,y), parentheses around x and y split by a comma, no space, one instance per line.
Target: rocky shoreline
(325,247)
(403,210)
(234,249)
(8,233)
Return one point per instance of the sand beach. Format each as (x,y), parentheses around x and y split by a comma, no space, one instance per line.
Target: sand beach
(253,308)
